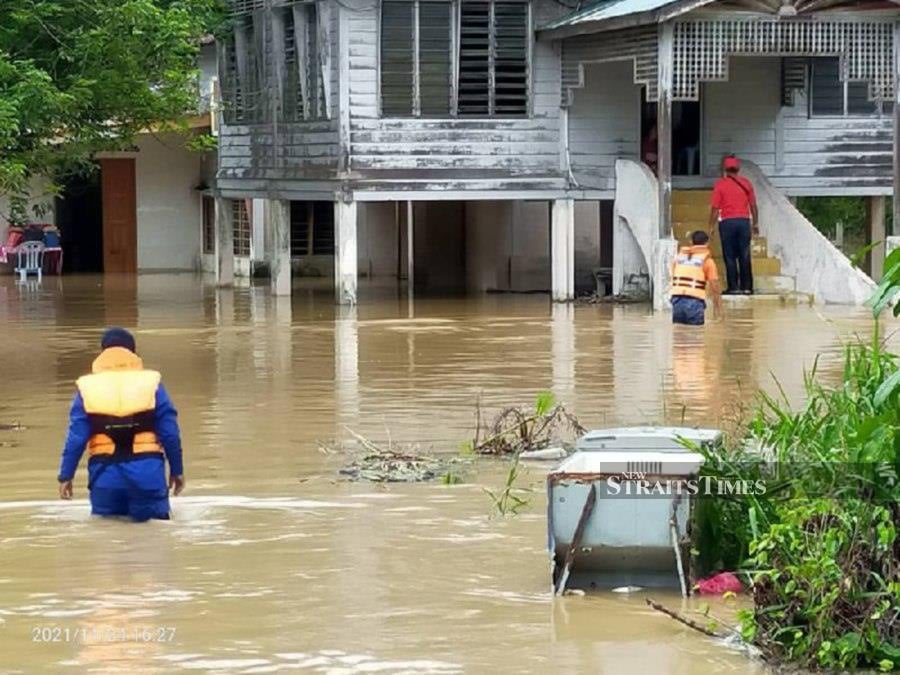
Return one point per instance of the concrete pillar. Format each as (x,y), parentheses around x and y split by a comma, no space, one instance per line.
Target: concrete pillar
(562,347)
(278,215)
(345,252)
(258,252)
(562,249)
(224,242)
(346,364)
(875,234)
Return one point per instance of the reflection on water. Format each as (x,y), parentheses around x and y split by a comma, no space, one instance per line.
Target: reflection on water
(271,563)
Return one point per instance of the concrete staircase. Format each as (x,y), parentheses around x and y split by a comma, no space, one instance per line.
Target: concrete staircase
(690,212)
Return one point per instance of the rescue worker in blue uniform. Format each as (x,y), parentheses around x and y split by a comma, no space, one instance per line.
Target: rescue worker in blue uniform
(125,420)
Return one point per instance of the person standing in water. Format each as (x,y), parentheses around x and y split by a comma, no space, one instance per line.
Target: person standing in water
(694,274)
(733,209)
(123,417)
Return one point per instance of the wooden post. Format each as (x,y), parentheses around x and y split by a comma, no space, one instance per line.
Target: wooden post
(278,213)
(664,126)
(224,242)
(875,234)
(410,247)
(345,252)
(895,226)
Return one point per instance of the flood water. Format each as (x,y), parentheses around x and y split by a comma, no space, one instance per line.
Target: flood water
(273,563)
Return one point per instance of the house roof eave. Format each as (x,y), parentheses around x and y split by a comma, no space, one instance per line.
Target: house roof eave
(579,23)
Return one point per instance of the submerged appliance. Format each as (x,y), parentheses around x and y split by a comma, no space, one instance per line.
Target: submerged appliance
(619,509)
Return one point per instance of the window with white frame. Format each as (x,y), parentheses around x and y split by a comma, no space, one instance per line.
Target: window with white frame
(468,58)
(829,96)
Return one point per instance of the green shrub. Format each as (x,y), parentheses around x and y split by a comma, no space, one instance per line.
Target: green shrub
(820,546)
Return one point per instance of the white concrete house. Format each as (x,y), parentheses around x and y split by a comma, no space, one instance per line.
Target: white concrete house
(144,209)
(475,145)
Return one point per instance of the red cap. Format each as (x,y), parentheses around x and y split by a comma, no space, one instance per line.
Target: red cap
(732,163)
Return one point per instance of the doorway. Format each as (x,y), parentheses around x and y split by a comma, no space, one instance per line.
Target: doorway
(686,125)
(79,217)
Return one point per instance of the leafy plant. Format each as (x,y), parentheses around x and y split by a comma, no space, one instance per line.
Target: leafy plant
(511,498)
(820,546)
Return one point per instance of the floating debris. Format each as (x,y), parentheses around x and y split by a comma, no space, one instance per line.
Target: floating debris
(545,455)
(516,430)
(394,463)
(12,426)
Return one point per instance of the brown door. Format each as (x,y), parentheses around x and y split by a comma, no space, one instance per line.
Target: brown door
(119,215)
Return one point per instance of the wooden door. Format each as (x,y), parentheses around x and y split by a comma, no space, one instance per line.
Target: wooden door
(119,215)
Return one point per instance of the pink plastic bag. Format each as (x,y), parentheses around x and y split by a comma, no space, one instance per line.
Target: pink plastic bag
(717,584)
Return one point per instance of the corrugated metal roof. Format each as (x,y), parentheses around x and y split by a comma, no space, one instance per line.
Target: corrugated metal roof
(607,9)
(635,12)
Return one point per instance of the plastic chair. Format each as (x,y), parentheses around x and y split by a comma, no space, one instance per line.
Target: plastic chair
(31,260)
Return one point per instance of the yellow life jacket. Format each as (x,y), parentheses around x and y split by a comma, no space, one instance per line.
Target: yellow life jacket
(688,275)
(120,401)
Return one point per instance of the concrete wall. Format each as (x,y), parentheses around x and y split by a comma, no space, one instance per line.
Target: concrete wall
(507,246)
(168,204)
(587,245)
(378,239)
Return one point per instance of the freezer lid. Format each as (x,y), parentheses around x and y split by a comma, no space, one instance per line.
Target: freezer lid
(661,439)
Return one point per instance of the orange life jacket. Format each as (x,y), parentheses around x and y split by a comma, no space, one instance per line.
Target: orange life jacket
(688,275)
(120,401)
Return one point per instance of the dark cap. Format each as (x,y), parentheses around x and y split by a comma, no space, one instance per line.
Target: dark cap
(117,337)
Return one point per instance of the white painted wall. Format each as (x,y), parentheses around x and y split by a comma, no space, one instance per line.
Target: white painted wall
(800,154)
(168,204)
(378,239)
(39,197)
(604,123)
(635,226)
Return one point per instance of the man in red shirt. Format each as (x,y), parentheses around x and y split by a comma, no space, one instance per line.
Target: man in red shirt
(733,207)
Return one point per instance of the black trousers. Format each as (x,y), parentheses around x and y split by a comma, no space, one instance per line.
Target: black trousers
(736,235)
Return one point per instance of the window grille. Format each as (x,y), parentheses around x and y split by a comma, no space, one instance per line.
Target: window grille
(242,228)
(491,41)
(208,233)
(312,229)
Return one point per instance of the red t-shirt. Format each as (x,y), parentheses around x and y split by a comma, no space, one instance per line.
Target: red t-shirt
(731,200)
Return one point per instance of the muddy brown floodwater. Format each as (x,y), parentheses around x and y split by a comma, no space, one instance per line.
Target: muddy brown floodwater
(271,563)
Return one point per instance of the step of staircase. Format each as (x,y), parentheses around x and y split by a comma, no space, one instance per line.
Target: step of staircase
(690,212)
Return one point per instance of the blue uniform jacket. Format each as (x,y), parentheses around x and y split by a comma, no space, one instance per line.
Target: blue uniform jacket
(80,431)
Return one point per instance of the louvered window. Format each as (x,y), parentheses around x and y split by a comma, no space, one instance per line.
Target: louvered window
(482,45)
(304,88)
(494,40)
(416,61)
(832,97)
